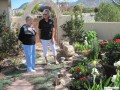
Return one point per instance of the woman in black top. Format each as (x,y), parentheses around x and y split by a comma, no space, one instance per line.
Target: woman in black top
(27,37)
(47,32)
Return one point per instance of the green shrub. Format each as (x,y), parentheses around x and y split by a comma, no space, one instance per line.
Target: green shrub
(35,9)
(79,8)
(91,35)
(10,44)
(88,10)
(19,14)
(108,12)
(67,13)
(81,47)
(2,22)
(117,36)
(112,52)
(74,29)
(94,49)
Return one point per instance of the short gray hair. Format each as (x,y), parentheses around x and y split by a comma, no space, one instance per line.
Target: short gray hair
(46,11)
(29,18)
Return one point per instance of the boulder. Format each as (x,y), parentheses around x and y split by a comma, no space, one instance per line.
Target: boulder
(68,50)
(62,43)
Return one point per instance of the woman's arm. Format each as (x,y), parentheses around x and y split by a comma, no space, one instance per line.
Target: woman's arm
(39,28)
(39,31)
(53,36)
(21,34)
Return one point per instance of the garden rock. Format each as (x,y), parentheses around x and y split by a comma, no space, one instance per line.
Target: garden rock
(7,62)
(69,50)
(62,42)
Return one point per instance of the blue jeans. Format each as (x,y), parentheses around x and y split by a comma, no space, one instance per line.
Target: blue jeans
(30,54)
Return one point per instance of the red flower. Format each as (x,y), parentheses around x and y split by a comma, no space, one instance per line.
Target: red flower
(102,42)
(79,70)
(86,77)
(110,39)
(81,79)
(117,40)
(7,30)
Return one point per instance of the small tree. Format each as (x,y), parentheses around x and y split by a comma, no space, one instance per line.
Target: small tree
(108,12)
(78,9)
(74,29)
(24,8)
(35,8)
(2,22)
(19,14)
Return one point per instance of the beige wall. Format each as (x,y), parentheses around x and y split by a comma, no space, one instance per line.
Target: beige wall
(5,5)
(63,20)
(105,30)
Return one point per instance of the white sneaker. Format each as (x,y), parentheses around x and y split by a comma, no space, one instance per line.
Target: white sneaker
(48,63)
(56,62)
(32,71)
(35,69)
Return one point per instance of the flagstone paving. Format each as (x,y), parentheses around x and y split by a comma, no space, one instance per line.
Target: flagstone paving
(42,79)
(21,85)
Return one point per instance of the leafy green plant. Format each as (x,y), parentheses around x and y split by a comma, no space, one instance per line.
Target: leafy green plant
(100,86)
(90,35)
(15,63)
(10,44)
(81,47)
(53,15)
(117,81)
(25,6)
(108,12)
(80,74)
(117,36)
(67,13)
(83,78)
(74,29)
(2,22)
(79,8)
(94,49)
(18,14)
(34,10)
(112,52)
(88,10)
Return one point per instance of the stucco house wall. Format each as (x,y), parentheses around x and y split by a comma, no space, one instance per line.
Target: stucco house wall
(5,5)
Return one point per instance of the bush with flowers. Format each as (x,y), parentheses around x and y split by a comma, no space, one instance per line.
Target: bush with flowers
(113,51)
(80,75)
(10,44)
(102,44)
(85,74)
(117,36)
(116,78)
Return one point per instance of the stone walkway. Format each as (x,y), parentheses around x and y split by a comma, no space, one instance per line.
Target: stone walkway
(23,84)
